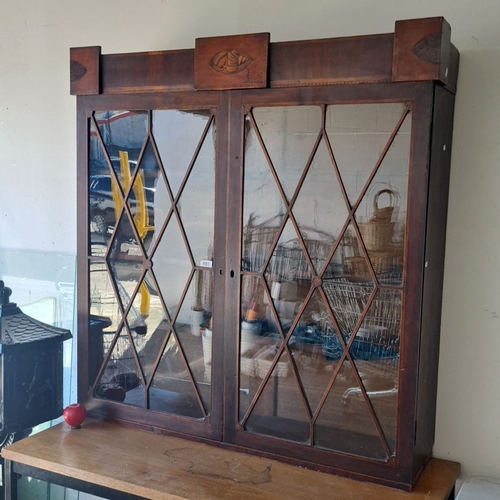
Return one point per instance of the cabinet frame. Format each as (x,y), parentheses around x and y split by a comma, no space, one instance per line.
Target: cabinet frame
(431,99)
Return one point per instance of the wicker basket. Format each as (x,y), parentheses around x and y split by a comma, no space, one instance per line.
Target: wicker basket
(384,214)
(263,361)
(247,366)
(357,266)
(378,232)
(377,235)
(382,262)
(264,365)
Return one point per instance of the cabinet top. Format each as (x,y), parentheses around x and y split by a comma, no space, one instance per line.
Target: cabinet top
(418,50)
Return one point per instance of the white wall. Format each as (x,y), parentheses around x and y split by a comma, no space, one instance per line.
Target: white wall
(37,154)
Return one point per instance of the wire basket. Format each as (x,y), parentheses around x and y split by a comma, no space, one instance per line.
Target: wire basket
(258,362)
(122,357)
(378,335)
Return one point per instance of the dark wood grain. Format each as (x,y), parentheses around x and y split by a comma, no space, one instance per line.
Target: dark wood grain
(85,70)
(162,467)
(437,208)
(423,51)
(231,62)
(301,73)
(330,61)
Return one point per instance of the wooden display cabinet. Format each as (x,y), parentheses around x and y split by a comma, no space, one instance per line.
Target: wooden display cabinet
(261,243)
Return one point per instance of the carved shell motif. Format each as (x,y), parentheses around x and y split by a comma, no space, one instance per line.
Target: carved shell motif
(229,62)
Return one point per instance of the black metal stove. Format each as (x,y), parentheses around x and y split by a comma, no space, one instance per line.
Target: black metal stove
(31,369)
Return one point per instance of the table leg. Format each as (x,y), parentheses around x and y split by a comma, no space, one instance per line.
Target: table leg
(10,481)
(452,494)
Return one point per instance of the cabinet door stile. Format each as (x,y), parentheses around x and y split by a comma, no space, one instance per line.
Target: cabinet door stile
(233,258)
(157,269)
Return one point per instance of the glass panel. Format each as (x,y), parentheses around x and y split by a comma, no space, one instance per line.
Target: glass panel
(105,316)
(172,266)
(320,209)
(288,276)
(347,428)
(358,414)
(348,299)
(196,204)
(141,198)
(161,210)
(289,134)
(315,347)
(147,324)
(147,245)
(381,214)
(102,203)
(279,412)
(43,287)
(358,134)
(193,321)
(124,131)
(125,264)
(261,203)
(177,134)
(121,378)
(115,144)
(376,353)
(172,389)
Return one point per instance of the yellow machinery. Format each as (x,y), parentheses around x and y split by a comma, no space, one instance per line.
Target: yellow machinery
(141,215)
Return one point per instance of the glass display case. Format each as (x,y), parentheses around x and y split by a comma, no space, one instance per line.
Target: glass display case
(260,262)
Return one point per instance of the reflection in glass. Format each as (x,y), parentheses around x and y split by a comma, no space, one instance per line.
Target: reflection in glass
(315,344)
(358,134)
(381,214)
(146,280)
(121,378)
(116,139)
(196,204)
(325,276)
(147,324)
(172,389)
(262,201)
(102,206)
(279,411)
(347,428)
(289,134)
(320,209)
(375,351)
(177,135)
(171,265)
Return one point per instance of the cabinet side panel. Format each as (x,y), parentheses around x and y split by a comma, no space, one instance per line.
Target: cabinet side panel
(82,248)
(433,276)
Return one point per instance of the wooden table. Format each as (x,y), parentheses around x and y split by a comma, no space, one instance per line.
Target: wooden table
(120,463)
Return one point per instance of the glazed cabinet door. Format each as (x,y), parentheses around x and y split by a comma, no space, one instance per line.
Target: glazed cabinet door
(325,188)
(255,266)
(151,205)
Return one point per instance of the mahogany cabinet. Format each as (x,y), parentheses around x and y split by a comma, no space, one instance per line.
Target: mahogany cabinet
(261,243)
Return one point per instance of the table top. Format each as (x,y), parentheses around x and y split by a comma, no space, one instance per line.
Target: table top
(166,468)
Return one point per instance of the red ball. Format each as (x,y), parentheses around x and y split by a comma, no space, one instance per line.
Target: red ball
(74,415)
